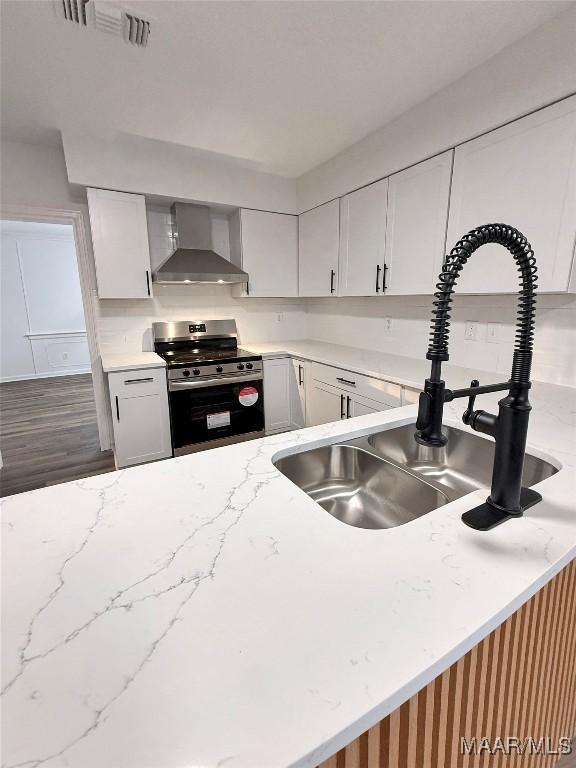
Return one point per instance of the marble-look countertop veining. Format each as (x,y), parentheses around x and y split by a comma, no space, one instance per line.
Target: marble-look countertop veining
(129,361)
(203,611)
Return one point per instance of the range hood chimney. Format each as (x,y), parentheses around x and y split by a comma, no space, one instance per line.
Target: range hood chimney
(194,261)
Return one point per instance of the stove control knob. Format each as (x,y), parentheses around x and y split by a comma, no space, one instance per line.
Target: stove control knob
(196,372)
(186,373)
(240,366)
(249,366)
(219,369)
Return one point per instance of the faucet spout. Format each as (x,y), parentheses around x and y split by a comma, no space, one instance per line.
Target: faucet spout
(509,428)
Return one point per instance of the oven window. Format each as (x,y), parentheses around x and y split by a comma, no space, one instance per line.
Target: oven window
(214,412)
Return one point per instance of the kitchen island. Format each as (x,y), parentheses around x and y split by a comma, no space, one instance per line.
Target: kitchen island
(204,611)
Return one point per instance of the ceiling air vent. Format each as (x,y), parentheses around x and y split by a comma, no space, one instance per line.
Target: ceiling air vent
(75,11)
(107,16)
(136,29)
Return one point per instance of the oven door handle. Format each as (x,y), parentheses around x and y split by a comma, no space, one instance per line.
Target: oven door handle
(174,386)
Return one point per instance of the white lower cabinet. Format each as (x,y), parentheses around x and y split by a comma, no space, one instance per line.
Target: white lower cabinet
(326,403)
(140,416)
(277,399)
(300,393)
(298,379)
(360,406)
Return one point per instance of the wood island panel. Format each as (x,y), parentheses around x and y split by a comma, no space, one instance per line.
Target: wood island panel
(519,681)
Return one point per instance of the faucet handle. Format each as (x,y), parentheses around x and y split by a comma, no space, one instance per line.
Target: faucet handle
(467,415)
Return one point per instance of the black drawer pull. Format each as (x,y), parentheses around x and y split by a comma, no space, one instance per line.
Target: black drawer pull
(346,381)
(138,381)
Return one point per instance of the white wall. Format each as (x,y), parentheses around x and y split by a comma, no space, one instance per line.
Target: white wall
(135,164)
(42,326)
(535,71)
(35,177)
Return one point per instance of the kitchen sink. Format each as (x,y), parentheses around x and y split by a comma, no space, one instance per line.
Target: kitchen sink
(387,479)
(359,488)
(463,465)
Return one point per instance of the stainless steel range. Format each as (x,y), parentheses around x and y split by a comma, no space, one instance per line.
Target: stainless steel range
(215,389)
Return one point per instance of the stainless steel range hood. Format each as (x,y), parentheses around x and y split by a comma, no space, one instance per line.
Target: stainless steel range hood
(194,261)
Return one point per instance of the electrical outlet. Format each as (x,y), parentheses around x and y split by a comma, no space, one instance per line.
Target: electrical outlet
(471,330)
(387,325)
(493,332)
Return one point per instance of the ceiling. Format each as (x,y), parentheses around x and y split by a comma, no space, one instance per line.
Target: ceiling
(281,86)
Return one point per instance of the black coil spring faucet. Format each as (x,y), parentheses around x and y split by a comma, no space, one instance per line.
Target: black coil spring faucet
(509,429)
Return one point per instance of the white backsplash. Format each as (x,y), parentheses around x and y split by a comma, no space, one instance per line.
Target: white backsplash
(361,322)
(126,325)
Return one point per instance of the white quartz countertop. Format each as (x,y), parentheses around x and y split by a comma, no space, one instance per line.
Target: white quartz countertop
(129,361)
(204,611)
(398,369)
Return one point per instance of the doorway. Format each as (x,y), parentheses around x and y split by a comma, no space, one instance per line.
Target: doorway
(48,419)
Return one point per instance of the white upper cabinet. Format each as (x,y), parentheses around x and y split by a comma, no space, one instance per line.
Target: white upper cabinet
(362,240)
(318,235)
(416,225)
(523,174)
(265,245)
(120,239)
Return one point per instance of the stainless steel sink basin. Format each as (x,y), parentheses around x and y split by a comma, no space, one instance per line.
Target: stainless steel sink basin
(463,465)
(388,479)
(360,488)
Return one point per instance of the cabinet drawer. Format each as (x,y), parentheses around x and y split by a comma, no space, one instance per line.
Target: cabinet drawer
(143,381)
(375,389)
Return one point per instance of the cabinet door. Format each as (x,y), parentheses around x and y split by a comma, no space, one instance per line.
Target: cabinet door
(362,240)
(360,406)
(318,237)
(298,393)
(416,225)
(120,239)
(269,253)
(325,403)
(277,394)
(140,416)
(523,174)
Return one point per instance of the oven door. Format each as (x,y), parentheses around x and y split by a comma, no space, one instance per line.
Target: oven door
(215,409)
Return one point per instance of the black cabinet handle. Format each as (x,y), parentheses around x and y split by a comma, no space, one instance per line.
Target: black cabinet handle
(378,270)
(348,407)
(346,381)
(332,276)
(342,412)
(117,409)
(384,286)
(148,282)
(247,288)
(300,375)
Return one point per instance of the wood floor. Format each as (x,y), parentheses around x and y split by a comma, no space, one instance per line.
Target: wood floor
(48,433)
